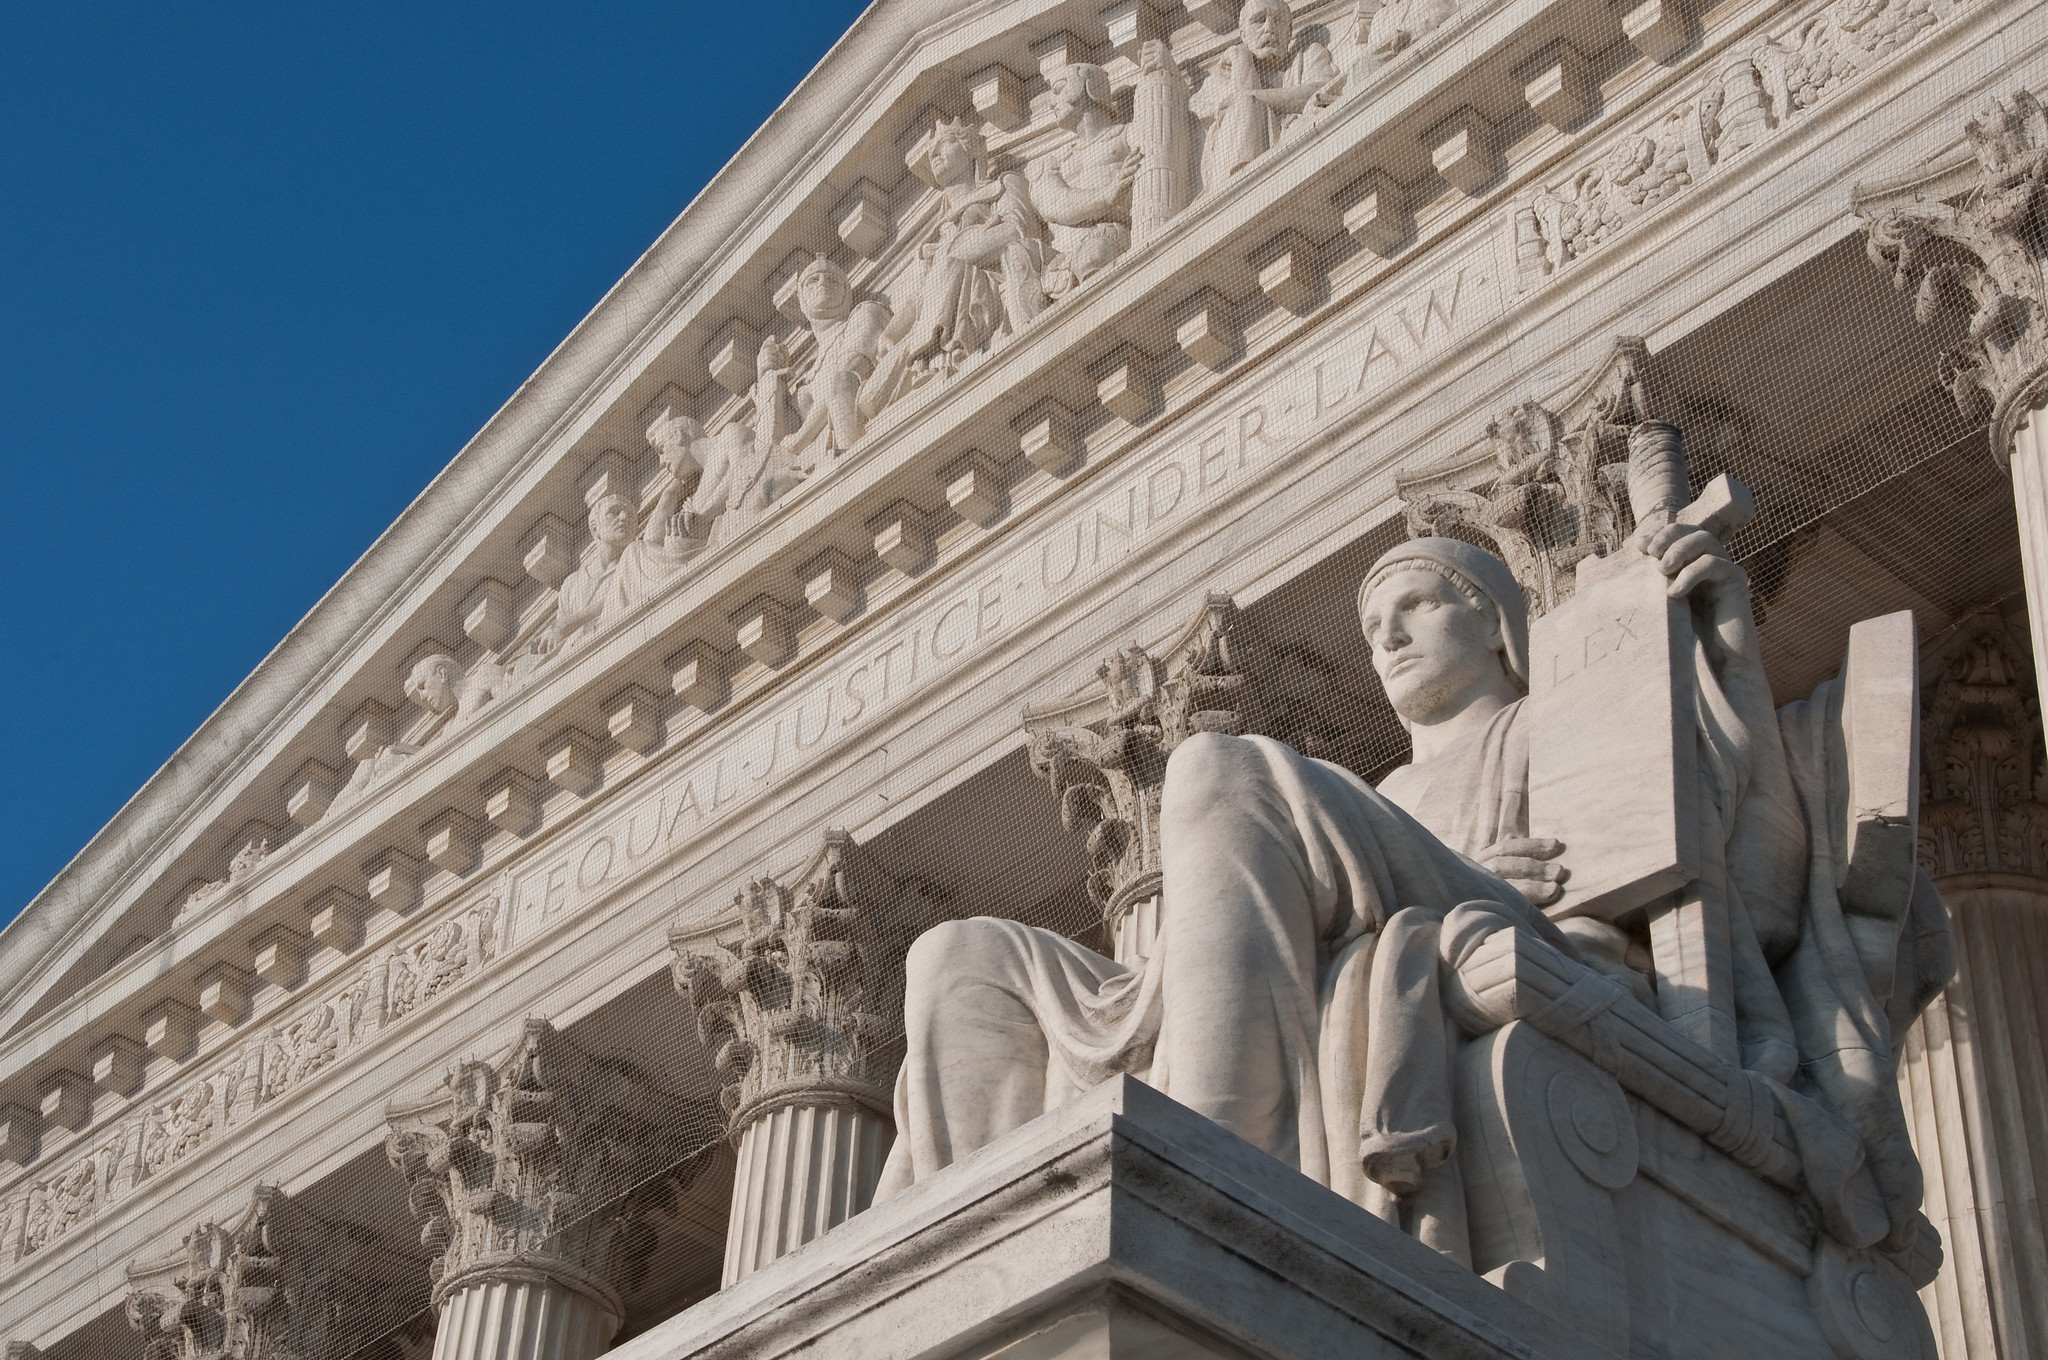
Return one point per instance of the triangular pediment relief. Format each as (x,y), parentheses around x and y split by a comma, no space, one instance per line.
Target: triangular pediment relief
(980,248)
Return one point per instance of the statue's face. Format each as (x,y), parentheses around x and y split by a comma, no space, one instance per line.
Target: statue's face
(952,159)
(1435,651)
(1069,96)
(614,521)
(432,684)
(824,294)
(1267,28)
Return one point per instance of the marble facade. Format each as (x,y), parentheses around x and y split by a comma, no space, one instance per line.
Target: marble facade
(524,944)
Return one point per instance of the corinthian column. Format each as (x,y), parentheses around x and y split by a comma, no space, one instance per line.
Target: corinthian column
(273,1281)
(1974,1069)
(803,1017)
(521,1167)
(1965,238)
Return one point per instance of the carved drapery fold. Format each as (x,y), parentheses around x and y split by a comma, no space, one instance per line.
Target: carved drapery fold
(1104,752)
(803,1017)
(524,1169)
(275,1282)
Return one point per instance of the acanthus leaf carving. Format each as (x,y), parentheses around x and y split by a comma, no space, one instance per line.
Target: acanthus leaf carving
(1982,771)
(1972,232)
(527,1162)
(1104,751)
(274,1282)
(806,1007)
(1546,489)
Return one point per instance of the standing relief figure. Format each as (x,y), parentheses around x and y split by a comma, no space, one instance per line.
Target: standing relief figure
(982,263)
(840,397)
(1261,88)
(1083,189)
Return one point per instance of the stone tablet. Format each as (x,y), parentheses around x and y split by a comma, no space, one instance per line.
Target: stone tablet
(1612,758)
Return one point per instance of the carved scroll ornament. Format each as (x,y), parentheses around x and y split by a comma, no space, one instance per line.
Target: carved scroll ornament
(1968,235)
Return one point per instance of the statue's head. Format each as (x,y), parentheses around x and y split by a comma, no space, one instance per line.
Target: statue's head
(824,292)
(957,147)
(1447,625)
(1267,28)
(614,520)
(434,682)
(1078,88)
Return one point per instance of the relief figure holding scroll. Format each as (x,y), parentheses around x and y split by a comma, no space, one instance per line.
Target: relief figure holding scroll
(1301,989)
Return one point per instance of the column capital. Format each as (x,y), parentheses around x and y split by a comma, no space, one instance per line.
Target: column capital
(518,1164)
(274,1281)
(1104,751)
(1967,233)
(806,1006)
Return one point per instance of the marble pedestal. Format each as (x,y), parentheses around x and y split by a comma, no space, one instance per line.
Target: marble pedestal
(1121,1225)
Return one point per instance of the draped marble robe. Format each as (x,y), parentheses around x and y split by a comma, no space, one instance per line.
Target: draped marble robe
(1292,994)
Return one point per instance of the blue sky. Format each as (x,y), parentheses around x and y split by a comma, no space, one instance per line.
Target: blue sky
(263,269)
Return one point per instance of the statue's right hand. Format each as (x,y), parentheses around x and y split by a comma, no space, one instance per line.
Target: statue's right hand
(1529,864)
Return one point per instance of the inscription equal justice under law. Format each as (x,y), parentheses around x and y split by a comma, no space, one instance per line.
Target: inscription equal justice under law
(1346,371)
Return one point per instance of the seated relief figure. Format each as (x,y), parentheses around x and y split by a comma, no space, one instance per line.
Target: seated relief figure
(1260,89)
(839,399)
(1301,989)
(981,263)
(1083,189)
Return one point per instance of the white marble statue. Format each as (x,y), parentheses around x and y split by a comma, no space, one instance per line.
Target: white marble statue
(981,262)
(1295,989)
(443,687)
(1264,84)
(838,400)
(627,562)
(1083,188)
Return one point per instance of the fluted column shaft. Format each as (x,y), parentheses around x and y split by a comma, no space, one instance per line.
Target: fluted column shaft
(1974,1075)
(2029,467)
(803,1170)
(522,1319)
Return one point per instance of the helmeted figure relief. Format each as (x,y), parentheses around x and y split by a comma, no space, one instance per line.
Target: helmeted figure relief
(840,398)
(442,686)
(1083,189)
(1262,87)
(1299,987)
(627,561)
(982,262)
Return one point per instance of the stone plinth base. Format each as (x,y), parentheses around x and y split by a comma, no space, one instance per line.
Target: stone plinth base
(1120,1226)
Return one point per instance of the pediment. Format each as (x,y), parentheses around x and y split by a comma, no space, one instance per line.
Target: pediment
(441,708)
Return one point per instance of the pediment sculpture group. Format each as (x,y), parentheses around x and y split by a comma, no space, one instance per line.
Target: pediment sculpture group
(995,246)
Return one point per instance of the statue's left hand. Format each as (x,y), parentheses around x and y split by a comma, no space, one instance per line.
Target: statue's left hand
(1529,864)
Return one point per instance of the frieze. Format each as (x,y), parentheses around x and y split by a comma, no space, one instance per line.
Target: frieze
(1754,90)
(234,1084)
(1191,474)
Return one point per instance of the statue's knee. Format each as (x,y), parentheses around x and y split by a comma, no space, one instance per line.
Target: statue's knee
(1203,775)
(949,952)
